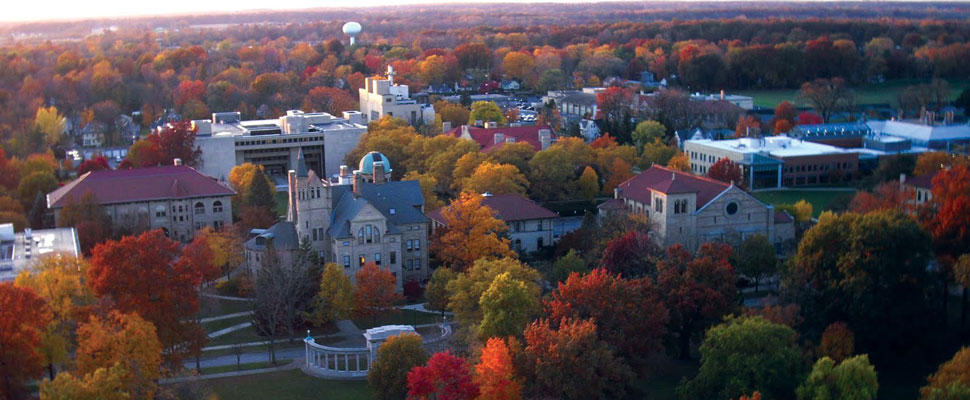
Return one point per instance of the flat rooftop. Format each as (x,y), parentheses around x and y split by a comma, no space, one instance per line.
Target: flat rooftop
(18,251)
(776,146)
(921,132)
(228,124)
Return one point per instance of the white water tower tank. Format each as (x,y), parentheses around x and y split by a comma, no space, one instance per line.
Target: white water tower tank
(352,29)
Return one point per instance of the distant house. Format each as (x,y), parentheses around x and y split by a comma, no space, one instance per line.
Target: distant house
(281,237)
(530,226)
(539,137)
(439,89)
(589,129)
(920,186)
(691,210)
(176,199)
(509,85)
(92,135)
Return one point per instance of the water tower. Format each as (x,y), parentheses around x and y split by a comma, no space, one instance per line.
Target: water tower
(352,29)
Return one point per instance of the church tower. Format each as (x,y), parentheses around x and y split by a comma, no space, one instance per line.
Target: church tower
(310,206)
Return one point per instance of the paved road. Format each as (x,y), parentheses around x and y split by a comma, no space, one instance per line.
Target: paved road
(289,353)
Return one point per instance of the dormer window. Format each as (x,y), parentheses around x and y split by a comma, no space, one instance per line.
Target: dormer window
(392,211)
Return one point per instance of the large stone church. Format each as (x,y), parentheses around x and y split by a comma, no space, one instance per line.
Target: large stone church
(358,218)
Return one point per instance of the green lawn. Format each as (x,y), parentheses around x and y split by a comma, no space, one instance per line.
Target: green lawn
(211,307)
(883,93)
(282,198)
(402,317)
(225,323)
(821,200)
(288,385)
(231,368)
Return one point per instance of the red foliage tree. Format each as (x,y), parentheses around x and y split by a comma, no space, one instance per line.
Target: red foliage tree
(144,274)
(950,225)
(748,125)
(328,99)
(698,290)
(495,373)
(785,111)
(809,118)
(630,255)
(375,292)
(95,164)
(23,317)
(726,171)
(628,313)
(886,196)
(9,176)
(176,140)
(188,90)
(198,256)
(446,377)
(412,290)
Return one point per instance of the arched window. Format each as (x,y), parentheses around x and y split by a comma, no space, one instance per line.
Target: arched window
(217,207)
(360,235)
(199,208)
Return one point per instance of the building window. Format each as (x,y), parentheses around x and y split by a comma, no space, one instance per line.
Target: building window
(346,261)
(346,243)
(410,264)
(539,226)
(410,245)
(658,204)
(393,257)
(160,212)
(217,224)
(360,236)
(539,243)
(417,244)
(417,264)
(732,208)
(199,208)
(361,260)
(377,258)
(199,225)
(217,207)
(315,235)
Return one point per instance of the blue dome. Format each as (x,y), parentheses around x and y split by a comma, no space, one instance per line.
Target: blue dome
(367,163)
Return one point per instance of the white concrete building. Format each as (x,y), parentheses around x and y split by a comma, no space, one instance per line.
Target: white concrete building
(227,141)
(380,97)
(19,250)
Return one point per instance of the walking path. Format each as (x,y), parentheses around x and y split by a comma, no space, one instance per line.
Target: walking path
(221,297)
(226,316)
(420,308)
(230,329)
(295,364)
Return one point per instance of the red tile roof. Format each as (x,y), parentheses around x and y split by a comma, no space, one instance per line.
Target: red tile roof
(669,181)
(921,181)
(782,217)
(508,207)
(141,184)
(486,136)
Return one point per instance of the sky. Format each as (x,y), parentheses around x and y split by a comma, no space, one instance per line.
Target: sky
(22,11)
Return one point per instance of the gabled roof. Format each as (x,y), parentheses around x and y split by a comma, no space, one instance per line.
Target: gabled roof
(399,201)
(282,234)
(921,181)
(141,184)
(508,207)
(670,181)
(782,217)
(486,136)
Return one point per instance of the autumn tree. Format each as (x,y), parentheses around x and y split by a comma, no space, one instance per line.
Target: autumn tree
(23,319)
(445,377)
(226,247)
(885,196)
(50,123)
(496,179)
(376,291)
(931,162)
(142,153)
(553,171)
(554,354)
(589,185)
(826,96)
(853,378)
(453,113)
(486,111)
(882,297)
(838,342)
(126,339)
(747,354)
(679,162)
(951,380)
(144,274)
(102,384)
(495,374)
(629,313)
(437,290)
(757,259)
(507,306)
(89,218)
(98,163)
(471,231)
(747,126)
(726,171)
(335,299)
(632,255)
(697,290)
(329,100)
(521,66)
(59,280)
(283,289)
(465,291)
(647,132)
(176,140)
(801,211)
(388,374)
(615,105)
(785,111)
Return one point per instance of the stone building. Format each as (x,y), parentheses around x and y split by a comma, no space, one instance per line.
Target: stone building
(363,217)
(380,97)
(176,199)
(691,210)
(530,226)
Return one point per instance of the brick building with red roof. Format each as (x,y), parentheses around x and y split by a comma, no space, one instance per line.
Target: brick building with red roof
(691,210)
(530,225)
(539,137)
(177,199)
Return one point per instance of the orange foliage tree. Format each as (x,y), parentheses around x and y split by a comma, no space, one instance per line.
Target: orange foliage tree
(445,377)
(838,342)
(886,196)
(23,317)
(495,374)
(330,100)
(471,232)
(375,292)
(952,376)
(726,171)
(126,339)
(144,274)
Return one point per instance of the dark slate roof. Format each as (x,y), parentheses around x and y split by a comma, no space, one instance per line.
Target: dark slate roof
(140,184)
(612,204)
(782,217)
(282,234)
(920,181)
(403,197)
(508,207)
(301,168)
(666,180)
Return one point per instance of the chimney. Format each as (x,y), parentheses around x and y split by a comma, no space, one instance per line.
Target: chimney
(466,132)
(902,178)
(722,94)
(379,173)
(498,138)
(446,126)
(545,138)
(177,162)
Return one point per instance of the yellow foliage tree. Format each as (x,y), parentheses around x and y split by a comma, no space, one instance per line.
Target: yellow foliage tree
(428,183)
(125,339)
(496,179)
(335,300)
(465,291)
(679,162)
(589,185)
(50,123)
(102,384)
(465,167)
(226,245)
(803,211)
(471,232)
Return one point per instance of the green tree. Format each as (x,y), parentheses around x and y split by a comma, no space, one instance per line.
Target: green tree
(486,111)
(388,374)
(589,185)
(335,300)
(553,171)
(647,132)
(551,79)
(747,354)
(566,265)
(467,289)
(657,152)
(852,379)
(507,306)
(37,182)
(437,290)
(758,259)
(261,192)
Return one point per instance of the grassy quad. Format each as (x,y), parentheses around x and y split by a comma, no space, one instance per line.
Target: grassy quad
(821,200)
(288,385)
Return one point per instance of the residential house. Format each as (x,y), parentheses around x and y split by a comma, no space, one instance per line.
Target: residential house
(530,226)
